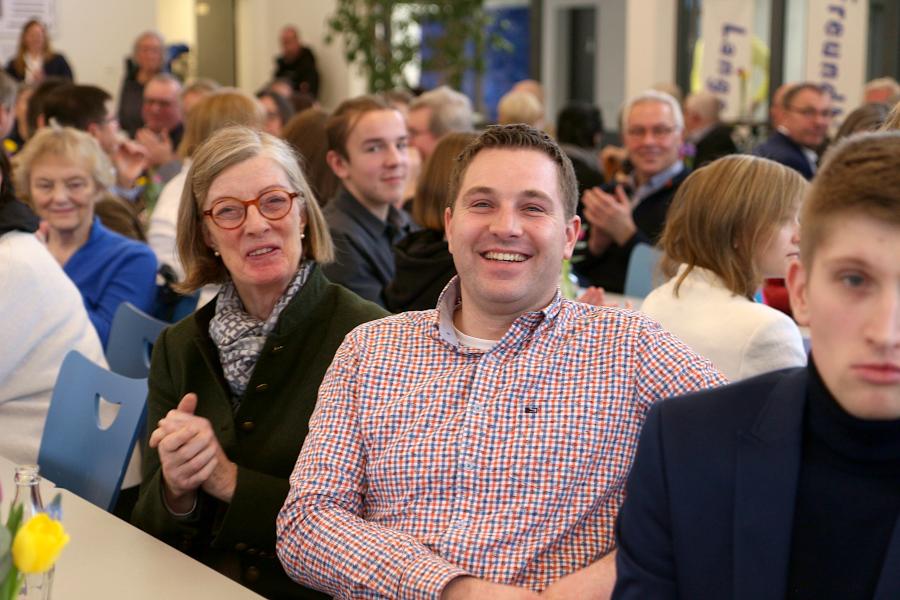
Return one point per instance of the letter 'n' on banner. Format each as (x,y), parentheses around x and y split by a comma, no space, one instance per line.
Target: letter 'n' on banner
(836,32)
(726,27)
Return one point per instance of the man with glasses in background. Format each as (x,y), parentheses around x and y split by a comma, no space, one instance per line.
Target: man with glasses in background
(619,216)
(805,117)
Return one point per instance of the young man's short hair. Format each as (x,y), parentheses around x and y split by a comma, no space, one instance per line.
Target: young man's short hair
(518,137)
(859,176)
(346,116)
(77,106)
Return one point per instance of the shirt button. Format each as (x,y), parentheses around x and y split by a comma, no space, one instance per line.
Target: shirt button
(476,407)
(248,426)
(262,387)
(469,466)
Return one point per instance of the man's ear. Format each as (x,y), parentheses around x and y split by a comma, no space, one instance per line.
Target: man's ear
(448,215)
(573,231)
(338,164)
(797,283)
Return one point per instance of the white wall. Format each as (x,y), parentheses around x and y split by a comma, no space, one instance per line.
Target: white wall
(97,35)
(177,22)
(258,26)
(650,27)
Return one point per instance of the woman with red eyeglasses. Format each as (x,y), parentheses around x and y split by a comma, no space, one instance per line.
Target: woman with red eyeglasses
(233,386)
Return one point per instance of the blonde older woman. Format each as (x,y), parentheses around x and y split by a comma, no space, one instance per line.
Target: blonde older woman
(233,386)
(62,172)
(731,224)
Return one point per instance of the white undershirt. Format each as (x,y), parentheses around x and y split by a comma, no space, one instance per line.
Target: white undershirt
(473,342)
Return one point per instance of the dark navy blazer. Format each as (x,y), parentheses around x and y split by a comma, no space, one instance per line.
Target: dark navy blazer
(710,500)
(786,151)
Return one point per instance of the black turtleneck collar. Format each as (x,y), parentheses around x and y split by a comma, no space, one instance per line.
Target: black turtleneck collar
(17,216)
(855,439)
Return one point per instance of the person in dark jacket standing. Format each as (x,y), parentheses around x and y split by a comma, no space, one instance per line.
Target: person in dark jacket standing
(297,63)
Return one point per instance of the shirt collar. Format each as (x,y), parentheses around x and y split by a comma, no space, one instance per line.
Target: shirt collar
(397,220)
(658,181)
(449,302)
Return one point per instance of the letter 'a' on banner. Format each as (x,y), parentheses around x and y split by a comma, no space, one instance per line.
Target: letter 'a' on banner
(726,27)
(836,32)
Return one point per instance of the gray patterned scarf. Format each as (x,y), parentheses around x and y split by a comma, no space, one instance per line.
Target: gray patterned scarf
(240,337)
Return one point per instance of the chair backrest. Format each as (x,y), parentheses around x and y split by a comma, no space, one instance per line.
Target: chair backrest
(131,338)
(641,269)
(76,453)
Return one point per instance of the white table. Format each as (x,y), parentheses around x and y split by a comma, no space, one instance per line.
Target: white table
(108,558)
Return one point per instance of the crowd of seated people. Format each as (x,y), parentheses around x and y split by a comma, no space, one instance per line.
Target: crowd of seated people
(480,442)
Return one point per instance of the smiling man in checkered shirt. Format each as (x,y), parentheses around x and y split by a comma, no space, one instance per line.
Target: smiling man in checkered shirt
(480,450)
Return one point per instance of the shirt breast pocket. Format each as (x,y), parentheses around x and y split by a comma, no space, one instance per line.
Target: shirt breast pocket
(553,452)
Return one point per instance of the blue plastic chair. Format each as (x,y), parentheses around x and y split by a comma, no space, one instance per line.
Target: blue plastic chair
(76,453)
(131,337)
(641,269)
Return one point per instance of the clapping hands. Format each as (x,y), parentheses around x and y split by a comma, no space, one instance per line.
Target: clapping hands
(191,457)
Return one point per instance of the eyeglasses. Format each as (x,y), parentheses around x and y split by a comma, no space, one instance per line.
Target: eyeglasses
(657,131)
(230,213)
(809,112)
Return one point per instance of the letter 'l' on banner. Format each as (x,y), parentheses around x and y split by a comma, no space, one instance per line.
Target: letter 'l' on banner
(726,27)
(836,32)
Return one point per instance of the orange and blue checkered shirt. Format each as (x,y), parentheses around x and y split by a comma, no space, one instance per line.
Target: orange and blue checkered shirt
(427,460)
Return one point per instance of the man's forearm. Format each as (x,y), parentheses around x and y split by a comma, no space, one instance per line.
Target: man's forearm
(593,582)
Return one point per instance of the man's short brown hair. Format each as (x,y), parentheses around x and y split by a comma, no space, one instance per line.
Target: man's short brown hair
(860,176)
(346,116)
(518,137)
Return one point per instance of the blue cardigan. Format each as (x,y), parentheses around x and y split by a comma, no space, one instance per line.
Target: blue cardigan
(110,269)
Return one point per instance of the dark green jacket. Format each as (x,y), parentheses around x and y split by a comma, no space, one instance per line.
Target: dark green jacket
(263,438)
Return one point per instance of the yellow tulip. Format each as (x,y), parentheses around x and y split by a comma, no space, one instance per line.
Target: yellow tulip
(37,544)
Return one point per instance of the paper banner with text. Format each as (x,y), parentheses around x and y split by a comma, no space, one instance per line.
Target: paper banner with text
(836,32)
(726,29)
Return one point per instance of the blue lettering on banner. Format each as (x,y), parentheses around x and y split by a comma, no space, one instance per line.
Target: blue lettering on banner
(831,54)
(719,83)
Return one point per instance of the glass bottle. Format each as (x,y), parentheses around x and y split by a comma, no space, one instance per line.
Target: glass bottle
(28,495)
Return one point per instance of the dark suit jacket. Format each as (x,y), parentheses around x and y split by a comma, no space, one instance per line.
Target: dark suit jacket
(784,150)
(608,270)
(263,437)
(715,144)
(710,500)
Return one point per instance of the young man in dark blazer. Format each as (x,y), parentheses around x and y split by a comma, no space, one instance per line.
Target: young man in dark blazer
(788,485)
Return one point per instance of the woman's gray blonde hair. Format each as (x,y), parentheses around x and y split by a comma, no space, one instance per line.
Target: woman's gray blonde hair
(228,147)
(65,142)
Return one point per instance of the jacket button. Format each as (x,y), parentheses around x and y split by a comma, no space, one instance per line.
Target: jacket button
(248,426)
(262,387)
(240,546)
(277,349)
(251,575)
